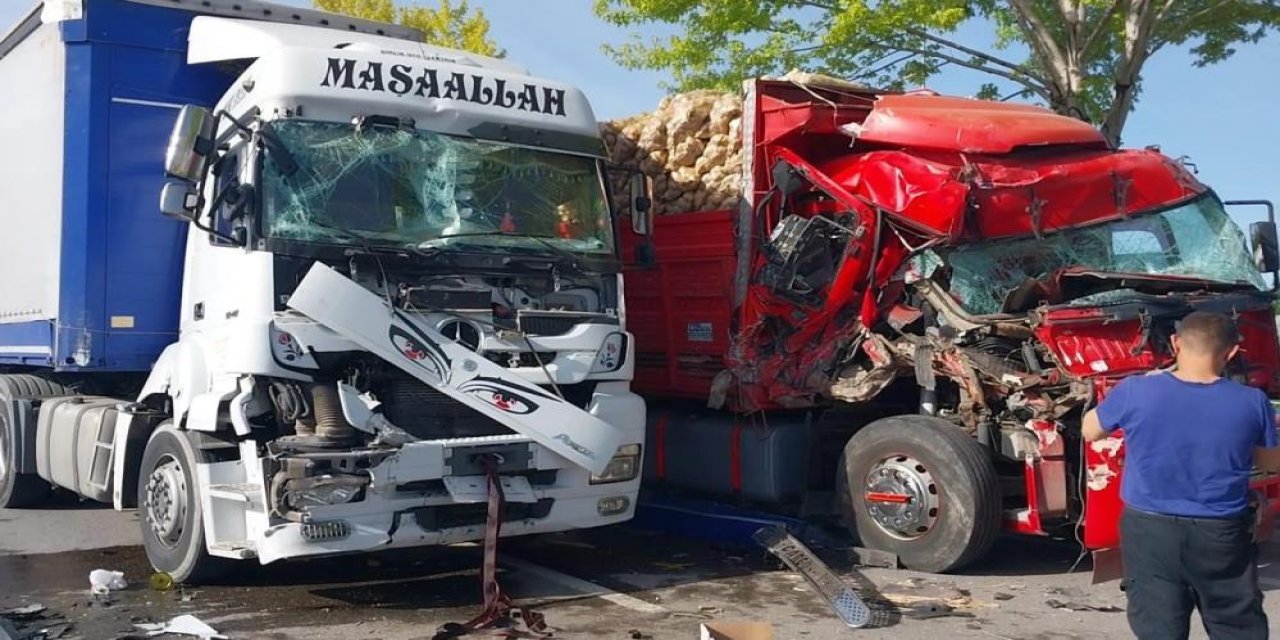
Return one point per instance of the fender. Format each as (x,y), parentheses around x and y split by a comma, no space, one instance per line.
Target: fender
(180,374)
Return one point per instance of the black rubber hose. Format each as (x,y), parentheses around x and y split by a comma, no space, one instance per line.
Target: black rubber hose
(330,423)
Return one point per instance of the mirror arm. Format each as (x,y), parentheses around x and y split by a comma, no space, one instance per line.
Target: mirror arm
(217,234)
(1271,217)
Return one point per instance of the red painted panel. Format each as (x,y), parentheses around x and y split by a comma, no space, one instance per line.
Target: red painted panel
(1085,345)
(679,309)
(971,126)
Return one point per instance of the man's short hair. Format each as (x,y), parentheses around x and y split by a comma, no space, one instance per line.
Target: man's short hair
(1208,332)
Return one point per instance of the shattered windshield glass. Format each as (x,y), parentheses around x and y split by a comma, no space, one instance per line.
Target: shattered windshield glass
(1197,239)
(402,188)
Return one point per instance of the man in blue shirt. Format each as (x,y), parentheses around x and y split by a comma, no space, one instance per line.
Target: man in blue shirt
(1192,438)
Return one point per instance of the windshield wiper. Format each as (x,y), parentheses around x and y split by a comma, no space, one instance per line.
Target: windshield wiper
(434,245)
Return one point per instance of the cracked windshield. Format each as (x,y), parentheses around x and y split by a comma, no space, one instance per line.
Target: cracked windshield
(403,188)
(1197,239)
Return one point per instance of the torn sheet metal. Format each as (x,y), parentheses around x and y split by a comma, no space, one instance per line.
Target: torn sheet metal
(347,308)
(959,197)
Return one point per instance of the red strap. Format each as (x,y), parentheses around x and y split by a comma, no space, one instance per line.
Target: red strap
(660,444)
(735,456)
(498,614)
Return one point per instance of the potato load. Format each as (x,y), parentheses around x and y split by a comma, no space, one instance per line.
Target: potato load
(690,146)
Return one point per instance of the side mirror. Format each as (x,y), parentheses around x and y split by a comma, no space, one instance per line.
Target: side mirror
(178,200)
(641,204)
(191,144)
(1266,247)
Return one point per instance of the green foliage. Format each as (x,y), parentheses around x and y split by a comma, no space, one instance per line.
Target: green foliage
(450,25)
(1081,57)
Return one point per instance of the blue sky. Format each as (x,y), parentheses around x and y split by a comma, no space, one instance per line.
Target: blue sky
(1226,118)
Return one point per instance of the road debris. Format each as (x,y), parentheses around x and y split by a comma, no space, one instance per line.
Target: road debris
(103,581)
(8,631)
(842,599)
(636,634)
(1001,596)
(31,622)
(925,609)
(160,581)
(1077,606)
(184,625)
(26,611)
(735,631)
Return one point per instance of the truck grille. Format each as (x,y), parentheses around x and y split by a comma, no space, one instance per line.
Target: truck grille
(426,413)
(547,325)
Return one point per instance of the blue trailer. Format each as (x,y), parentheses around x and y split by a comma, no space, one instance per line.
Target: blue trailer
(95,273)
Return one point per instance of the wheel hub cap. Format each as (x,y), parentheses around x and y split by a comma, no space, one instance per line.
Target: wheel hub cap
(167,501)
(902,497)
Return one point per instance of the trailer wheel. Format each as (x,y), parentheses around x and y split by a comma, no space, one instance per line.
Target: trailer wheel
(17,489)
(920,487)
(170,513)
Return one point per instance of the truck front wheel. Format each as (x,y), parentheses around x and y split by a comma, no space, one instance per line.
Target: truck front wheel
(170,512)
(920,487)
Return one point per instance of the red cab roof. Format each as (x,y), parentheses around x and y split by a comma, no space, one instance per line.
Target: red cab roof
(929,121)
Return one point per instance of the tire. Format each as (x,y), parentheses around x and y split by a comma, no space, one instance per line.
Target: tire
(21,489)
(935,497)
(17,489)
(169,511)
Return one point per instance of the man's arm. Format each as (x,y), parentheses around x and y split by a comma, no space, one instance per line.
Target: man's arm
(1266,455)
(1267,459)
(1091,427)
(1112,413)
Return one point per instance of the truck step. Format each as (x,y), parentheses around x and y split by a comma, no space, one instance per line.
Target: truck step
(239,492)
(239,549)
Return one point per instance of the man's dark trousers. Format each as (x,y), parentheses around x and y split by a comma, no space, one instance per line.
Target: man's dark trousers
(1174,563)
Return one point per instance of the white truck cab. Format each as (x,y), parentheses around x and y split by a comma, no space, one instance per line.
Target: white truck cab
(399,275)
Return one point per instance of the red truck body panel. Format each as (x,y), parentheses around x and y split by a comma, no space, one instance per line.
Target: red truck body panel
(910,171)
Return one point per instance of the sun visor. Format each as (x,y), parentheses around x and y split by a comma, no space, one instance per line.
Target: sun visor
(214,39)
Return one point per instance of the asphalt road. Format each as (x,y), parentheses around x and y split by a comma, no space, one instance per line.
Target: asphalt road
(600,584)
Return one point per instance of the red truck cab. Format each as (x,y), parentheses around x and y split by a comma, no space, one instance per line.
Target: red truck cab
(915,303)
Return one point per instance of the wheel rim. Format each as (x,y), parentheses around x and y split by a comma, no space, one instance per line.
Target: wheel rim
(901,497)
(167,501)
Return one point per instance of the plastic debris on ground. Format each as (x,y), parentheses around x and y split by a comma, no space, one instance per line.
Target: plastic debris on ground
(104,581)
(32,622)
(186,625)
(160,581)
(1077,606)
(736,631)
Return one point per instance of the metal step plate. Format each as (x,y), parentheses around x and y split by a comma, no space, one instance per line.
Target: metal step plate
(841,597)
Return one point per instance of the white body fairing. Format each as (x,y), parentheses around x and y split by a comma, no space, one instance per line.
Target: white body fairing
(236,335)
(551,421)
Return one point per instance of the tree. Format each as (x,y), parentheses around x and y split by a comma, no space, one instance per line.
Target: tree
(1082,58)
(451,25)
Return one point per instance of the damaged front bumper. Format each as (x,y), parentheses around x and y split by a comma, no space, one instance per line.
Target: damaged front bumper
(433,492)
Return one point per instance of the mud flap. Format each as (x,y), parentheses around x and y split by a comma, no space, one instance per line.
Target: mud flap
(347,308)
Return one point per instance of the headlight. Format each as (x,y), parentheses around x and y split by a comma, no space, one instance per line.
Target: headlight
(611,354)
(625,465)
